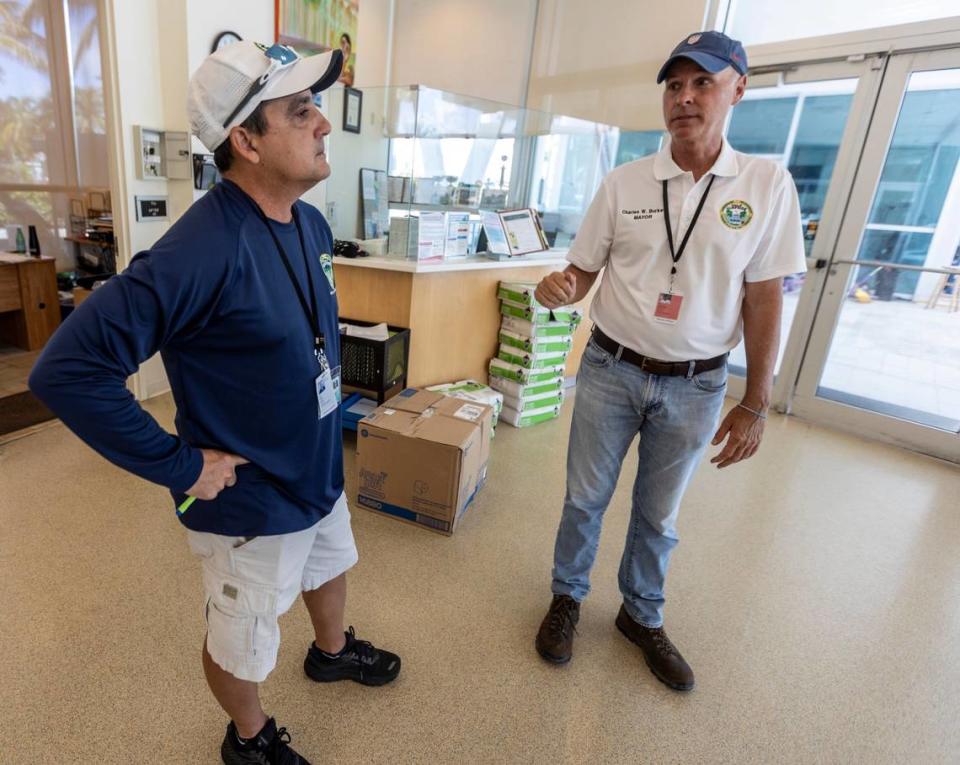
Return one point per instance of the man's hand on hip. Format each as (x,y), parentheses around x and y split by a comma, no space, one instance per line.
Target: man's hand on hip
(219,472)
(743,432)
(557,289)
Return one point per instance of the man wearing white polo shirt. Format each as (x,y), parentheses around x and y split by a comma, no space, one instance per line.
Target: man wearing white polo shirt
(693,244)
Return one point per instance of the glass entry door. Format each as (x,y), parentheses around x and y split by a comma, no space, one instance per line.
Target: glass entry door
(811,119)
(883,355)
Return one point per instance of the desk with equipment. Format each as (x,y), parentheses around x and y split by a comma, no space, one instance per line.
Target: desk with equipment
(29,305)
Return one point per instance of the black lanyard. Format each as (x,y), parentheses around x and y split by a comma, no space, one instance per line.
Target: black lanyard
(313,317)
(677,254)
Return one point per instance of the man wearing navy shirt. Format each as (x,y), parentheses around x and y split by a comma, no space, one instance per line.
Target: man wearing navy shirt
(239,299)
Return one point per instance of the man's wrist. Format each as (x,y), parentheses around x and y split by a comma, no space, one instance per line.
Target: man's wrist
(753,401)
(760,414)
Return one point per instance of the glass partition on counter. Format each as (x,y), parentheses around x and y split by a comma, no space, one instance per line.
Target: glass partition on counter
(423,151)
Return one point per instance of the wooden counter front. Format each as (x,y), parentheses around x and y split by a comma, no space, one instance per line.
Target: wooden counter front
(453,316)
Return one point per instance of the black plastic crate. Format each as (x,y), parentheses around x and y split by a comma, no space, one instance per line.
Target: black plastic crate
(374,365)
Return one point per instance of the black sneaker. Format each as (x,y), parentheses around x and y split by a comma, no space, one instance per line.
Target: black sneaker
(269,747)
(358,660)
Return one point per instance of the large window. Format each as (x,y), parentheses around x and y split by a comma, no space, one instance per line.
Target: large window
(922,163)
(760,21)
(762,126)
(570,161)
(89,123)
(636,144)
(52,123)
(799,126)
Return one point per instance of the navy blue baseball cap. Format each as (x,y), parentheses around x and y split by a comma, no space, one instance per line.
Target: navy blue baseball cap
(712,51)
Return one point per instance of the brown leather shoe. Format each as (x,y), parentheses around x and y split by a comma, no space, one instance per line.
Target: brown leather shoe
(662,656)
(555,638)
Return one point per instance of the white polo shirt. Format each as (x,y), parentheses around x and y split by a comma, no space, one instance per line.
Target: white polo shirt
(748,231)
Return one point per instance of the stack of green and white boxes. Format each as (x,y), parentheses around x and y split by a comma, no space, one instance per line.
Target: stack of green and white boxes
(534,345)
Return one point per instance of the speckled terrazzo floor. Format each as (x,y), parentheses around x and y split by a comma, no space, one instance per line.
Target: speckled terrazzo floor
(816,593)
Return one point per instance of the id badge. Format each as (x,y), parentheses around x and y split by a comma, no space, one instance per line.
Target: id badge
(668,307)
(327,392)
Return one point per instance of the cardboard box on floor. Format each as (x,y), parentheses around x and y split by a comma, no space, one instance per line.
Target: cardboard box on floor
(422,457)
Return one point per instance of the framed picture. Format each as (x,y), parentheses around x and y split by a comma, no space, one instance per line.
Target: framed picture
(96,200)
(76,208)
(314,26)
(352,109)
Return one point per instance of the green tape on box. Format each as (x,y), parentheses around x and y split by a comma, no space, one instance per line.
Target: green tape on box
(532,360)
(533,417)
(531,330)
(507,371)
(519,390)
(536,345)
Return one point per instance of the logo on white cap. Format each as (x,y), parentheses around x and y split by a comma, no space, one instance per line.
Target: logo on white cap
(693,39)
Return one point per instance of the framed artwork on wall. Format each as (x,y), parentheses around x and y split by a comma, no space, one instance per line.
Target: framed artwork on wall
(314,26)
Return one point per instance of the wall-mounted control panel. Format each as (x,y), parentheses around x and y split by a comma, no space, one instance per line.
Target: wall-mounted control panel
(162,154)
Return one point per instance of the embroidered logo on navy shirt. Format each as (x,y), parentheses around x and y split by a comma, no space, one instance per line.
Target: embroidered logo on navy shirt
(326,263)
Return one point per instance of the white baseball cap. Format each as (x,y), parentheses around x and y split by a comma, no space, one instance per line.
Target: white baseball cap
(232,82)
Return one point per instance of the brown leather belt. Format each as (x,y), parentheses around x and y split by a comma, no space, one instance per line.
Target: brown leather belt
(653,366)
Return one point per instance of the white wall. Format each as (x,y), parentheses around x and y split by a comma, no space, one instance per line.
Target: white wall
(251,19)
(476,47)
(598,59)
(595,59)
(156,46)
(144,65)
(373,43)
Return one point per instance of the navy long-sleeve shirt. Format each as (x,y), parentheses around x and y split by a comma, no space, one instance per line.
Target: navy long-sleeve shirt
(214,298)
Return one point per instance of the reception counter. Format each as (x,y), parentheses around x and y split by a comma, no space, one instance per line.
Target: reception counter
(451,308)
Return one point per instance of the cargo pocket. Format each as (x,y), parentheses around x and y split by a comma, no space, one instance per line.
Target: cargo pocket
(230,639)
(242,629)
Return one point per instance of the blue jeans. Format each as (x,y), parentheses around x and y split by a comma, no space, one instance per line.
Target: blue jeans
(675,417)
